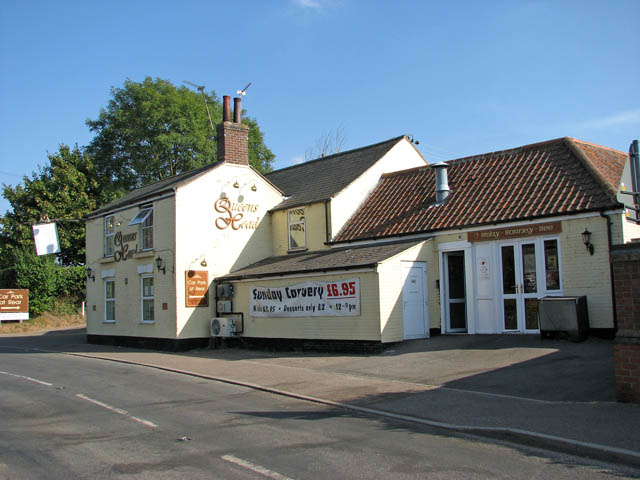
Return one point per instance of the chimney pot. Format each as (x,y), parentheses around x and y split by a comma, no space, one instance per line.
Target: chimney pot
(226,108)
(237,110)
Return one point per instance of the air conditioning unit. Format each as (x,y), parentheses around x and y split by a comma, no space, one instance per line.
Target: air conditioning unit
(222,327)
(225,290)
(224,306)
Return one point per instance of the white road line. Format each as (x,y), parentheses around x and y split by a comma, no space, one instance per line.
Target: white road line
(116,410)
(28,378)
(256,468)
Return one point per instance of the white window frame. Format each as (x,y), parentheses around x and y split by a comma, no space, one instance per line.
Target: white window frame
(147,298)
(144,218)
(109,234)
(302,222)
(109,300)
(544,267)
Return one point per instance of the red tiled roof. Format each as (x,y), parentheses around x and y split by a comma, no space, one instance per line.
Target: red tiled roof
(557,177)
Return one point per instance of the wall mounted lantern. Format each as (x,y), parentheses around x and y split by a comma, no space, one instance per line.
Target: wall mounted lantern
(160,265)
(586,239)
(91,274)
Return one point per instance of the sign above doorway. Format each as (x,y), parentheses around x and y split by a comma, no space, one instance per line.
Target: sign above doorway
(507,233)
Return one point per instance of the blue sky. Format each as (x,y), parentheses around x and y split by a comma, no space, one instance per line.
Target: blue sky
(461,77)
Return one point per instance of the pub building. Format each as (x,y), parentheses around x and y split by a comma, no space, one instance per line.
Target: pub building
(364,247)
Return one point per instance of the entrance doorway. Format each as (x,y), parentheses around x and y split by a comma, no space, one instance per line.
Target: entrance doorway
(519,286)
(454,295)
(414,300)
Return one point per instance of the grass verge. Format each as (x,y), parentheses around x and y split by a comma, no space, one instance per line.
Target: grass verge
(43,323)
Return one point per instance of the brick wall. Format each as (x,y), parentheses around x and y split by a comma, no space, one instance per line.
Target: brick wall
(626,274)
(233,143)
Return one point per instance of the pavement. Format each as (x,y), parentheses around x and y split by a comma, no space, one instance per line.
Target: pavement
(549,393)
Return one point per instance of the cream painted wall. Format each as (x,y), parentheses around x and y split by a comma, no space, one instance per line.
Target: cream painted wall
(127,277)
(585,274)
(315,225)
(582,274)
(200,236)
(630,230)
(363,327)
(402,156)
(390,284)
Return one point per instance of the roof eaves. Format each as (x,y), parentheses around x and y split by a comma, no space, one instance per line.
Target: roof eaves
(169,185)
(432,231)
(286,206)
(231,276)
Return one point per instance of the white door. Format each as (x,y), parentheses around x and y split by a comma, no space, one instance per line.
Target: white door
(414,300)
(519,286)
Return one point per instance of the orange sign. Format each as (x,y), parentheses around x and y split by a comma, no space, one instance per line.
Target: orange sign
(14,305)
(196,284)
(506,233)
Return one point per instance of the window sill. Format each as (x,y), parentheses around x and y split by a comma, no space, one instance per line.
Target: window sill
(148,322)
(144,254)
(297,250)
(110,259)
(108,321)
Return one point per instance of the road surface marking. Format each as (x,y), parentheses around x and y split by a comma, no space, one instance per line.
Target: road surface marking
(28,378)
(256,468)
(116,410)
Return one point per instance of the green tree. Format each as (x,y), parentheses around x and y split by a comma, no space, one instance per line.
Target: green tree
(65,191)
(51,286)
(152,130)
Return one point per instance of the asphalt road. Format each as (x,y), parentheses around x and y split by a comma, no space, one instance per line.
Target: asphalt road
(69,417)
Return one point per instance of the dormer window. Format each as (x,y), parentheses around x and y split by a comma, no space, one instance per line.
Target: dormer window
(297,229)
(144,218)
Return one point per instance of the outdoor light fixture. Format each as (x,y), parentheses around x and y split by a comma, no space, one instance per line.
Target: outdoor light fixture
(160,265)
(254,188)
(236,184)
(203,263)
(586,239)
(91,274)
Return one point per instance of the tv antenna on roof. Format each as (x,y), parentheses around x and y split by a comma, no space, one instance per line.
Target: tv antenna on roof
(201,88)
(243,92)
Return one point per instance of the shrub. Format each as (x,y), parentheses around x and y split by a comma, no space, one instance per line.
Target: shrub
(51,287)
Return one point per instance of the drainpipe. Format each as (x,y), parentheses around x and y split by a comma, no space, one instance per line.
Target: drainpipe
(613,290)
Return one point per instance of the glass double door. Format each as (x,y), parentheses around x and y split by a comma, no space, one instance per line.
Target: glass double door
(520,289)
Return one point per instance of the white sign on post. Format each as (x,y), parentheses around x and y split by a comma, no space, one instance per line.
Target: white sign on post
(46,238)
(309,299)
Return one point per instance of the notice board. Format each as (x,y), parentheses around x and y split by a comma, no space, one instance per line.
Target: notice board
(14,304)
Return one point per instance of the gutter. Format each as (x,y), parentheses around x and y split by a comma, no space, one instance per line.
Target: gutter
(286,273)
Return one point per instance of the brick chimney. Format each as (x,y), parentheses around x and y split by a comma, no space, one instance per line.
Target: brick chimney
(233,136)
